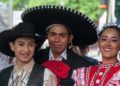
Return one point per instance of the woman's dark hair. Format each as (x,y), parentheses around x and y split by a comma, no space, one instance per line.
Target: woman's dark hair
(114,26)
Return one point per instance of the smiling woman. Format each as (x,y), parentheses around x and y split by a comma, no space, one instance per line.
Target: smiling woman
(108,71)
(109,43)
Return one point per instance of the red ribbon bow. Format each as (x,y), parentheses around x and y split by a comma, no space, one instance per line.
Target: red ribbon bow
(59,68)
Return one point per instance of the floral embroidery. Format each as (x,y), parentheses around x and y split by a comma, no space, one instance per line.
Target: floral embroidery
(101,75)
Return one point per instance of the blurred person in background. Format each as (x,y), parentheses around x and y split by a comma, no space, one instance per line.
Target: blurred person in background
(83,51)
(5,61)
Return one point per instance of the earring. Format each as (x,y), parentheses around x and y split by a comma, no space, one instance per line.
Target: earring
(118,57)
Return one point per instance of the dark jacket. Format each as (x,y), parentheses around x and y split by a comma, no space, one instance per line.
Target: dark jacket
(91,60)
(73,61)
(35,79)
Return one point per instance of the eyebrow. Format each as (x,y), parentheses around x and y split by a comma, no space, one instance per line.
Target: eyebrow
(59,33)
(111,37)
(23,41)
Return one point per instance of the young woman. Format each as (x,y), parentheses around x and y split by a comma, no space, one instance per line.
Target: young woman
(107,73)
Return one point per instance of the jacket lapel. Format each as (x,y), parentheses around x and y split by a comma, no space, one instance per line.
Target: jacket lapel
(36,76)
(44,55)
(6,76)
(69,58)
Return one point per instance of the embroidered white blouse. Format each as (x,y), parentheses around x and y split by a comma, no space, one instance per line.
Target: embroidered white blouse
(100,75)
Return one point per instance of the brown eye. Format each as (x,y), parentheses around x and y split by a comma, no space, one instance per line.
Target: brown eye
(103,39)
(20,44)
(51,34)
(115,40)
(32,44)
(63,35)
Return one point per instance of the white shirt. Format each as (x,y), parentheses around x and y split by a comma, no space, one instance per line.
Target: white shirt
(49,78)
(60,57)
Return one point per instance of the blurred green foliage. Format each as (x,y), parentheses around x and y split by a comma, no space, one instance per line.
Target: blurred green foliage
(3,0)
(88,7)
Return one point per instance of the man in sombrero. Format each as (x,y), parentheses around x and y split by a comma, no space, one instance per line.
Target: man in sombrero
(21,42)
(62,26)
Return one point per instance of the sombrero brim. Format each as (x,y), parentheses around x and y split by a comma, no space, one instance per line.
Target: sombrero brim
(83,28)
(7,35)
(4,43)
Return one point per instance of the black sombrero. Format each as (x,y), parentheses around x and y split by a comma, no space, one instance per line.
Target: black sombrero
(4,40)
(20,30)
(83,28)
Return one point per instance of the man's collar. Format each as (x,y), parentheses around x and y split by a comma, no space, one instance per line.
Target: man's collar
(63,55)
